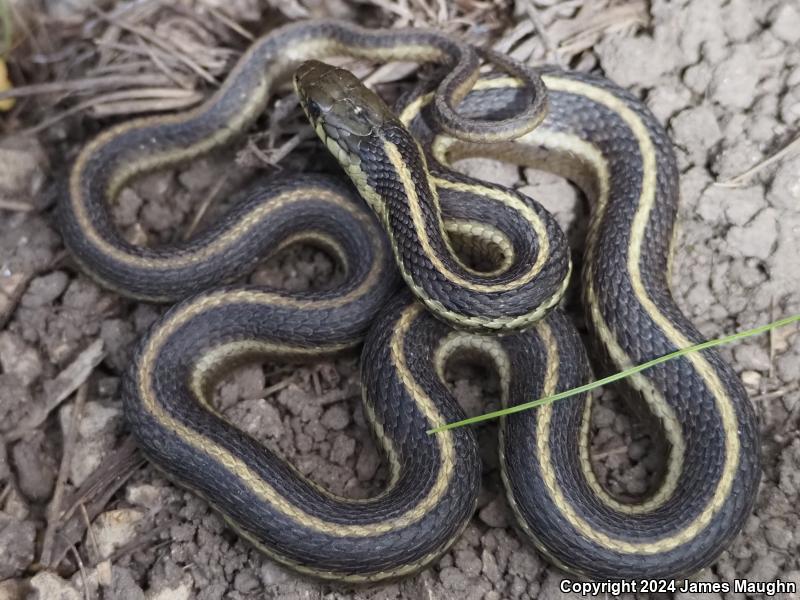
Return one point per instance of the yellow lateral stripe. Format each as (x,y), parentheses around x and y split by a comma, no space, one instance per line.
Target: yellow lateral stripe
(660,408)
(639,381)
(487,234)
(641,218)
(226,353)
(5,85)
(252,104)
(377,204)
(400,571)
(549,387)
(417,217)
(218,246)
(702,366)
(413,108)
(265,490)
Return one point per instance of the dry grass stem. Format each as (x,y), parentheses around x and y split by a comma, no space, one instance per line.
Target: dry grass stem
(15,206)
(209,199)
(789,150)
(94,494)
(54,509)
(62,387)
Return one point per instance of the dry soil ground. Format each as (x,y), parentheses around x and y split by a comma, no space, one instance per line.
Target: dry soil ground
(723,75)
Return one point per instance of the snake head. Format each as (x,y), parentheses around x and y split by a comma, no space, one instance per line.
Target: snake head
(342,110)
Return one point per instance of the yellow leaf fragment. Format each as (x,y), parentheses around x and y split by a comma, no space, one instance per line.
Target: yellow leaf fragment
(5,84)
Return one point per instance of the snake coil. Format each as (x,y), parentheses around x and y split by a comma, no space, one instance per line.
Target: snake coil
(594,133)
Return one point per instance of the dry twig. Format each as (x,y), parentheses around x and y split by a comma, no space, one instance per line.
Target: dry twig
(86,84)
(790,149)
(579,34)
(163,45)
(61,388)
(54,510)
(91,498)
(779,393)
(82,569)
(209,198)
(15,206)
(549,44)
(143,540)
(231,24)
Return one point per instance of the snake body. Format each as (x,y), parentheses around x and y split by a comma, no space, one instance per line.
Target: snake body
(594,133)
(106,164)
(604,139)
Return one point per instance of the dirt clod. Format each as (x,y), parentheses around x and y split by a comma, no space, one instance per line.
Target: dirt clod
(17,539)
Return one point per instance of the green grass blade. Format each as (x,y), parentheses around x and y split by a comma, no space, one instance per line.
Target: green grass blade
(617,376)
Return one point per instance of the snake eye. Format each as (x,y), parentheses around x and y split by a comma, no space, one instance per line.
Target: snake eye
(312,110)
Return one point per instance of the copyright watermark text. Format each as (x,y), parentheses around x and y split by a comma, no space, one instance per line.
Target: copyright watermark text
(650,586)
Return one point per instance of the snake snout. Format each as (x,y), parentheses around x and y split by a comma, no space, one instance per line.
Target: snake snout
(338,105)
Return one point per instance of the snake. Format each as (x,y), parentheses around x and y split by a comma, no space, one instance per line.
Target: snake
(481,269)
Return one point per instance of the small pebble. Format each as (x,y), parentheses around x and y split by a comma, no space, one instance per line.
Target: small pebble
(495,513)
(602,416)
(44,290)
(785,22)
(17,544)
(113,529)
(49,586)
(337,417)
(342,449)
(757,238)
